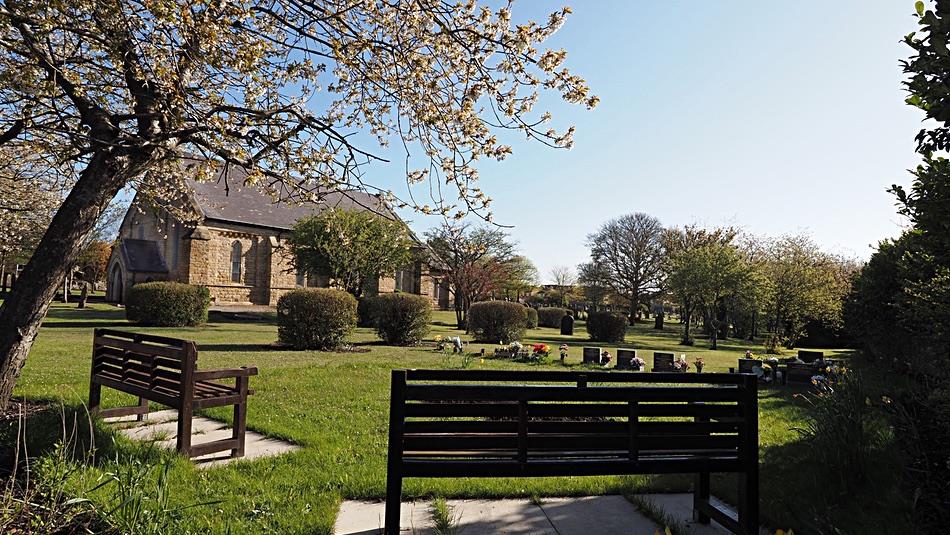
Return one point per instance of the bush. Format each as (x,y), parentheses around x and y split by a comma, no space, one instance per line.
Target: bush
(167,304)
(532,317)
(315,318)
(551,316)
(401,319)
(497,321)
(606,326)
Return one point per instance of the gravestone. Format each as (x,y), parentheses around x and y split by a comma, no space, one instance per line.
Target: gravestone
(810,356)
(592,355)
(623,359)
(567,325)
(663,362)
(747,365)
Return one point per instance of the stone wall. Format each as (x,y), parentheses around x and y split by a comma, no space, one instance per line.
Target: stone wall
(202,255)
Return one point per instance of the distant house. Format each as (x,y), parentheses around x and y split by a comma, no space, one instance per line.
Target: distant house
(235,246)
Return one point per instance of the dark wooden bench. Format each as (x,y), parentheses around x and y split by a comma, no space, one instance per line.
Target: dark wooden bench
(663,362)
(163,370)
(495,423)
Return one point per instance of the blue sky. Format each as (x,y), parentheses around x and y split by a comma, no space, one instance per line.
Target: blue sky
(777,117)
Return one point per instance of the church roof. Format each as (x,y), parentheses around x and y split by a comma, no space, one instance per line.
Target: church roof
(142,256)
(226,198)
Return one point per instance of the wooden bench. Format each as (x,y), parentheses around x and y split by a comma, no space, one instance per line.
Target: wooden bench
(495,423)
(163,370)
(663,362)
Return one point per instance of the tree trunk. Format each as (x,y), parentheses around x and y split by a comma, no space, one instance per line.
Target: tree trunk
(687,317)
(23,310)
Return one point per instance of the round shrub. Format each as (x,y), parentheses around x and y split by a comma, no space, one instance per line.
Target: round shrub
(315,318)
(167,304)
(497,321)
(606,326)
(401,319)
(532,318)
(551,316)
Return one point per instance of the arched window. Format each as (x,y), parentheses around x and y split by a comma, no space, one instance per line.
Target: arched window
(236,262)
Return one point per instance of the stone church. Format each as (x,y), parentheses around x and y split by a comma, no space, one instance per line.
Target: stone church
(235,247)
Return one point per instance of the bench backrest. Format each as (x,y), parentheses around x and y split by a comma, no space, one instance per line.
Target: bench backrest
(155,363)
(492,422)
(663,362)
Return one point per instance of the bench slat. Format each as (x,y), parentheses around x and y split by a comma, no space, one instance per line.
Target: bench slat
(433,392)
(133,347)
(540,427)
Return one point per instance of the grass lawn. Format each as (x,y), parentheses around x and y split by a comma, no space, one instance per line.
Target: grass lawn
(335,405)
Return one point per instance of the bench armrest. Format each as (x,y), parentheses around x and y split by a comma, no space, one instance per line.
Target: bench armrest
(204,375)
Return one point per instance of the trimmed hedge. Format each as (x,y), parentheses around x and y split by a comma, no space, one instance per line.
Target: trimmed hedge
(551,316)
(606,326)
(497,321)
(532,318)
(315,318)
(167,304)
(401,319)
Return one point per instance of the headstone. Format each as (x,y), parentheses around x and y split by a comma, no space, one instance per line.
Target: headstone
(624,356)
(808,357)
(567,325)
(747,365)
(592,355)
(663,362)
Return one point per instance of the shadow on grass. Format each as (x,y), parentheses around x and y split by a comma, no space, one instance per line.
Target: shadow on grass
(86,439)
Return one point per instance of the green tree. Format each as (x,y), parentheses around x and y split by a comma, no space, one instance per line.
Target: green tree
(517,277)
(98,96)
(351,247)
(900,303)
(806,284)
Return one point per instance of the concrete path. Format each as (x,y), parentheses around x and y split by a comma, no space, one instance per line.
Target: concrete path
(161,428)
(591,515)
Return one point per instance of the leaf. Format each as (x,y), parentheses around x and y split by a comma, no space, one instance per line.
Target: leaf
(919,6)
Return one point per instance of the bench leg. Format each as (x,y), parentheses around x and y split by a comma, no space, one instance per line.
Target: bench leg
(184,430)
(393,500)
(749,502)
(143,406)
(95,396)
(240,418)
(701,495)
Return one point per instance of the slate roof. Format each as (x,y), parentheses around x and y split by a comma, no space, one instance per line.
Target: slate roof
(227,199)
(142,256)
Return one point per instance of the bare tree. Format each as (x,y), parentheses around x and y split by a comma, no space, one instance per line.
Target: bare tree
(473,259)
(630,251)
(102,94)
(564,279)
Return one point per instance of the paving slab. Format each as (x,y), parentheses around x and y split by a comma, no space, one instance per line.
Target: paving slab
(589,515)
(161,429)
(600,514)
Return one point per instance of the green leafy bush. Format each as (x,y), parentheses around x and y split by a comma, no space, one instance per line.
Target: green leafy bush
(551,316)
(167,304)
(606,326)
(315,318)
(497,321)
(532,317)
(401,319)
